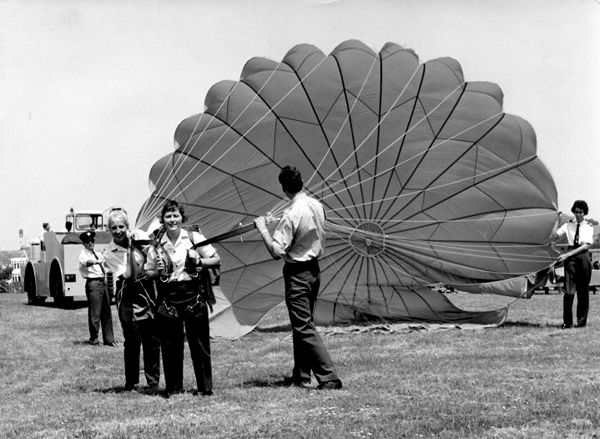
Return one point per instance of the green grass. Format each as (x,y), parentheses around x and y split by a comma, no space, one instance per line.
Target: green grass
(526,379)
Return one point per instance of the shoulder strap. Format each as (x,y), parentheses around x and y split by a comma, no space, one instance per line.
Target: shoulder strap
(191,236)
(215,272)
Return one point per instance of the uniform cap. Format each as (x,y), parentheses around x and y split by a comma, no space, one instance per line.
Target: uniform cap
(87,237)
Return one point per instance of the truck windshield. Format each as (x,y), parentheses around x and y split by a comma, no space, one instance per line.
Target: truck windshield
(85,222)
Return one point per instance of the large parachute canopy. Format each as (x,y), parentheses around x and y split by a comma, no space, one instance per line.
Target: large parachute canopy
(425,181)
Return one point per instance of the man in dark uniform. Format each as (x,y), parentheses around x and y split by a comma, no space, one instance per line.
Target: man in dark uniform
(300,240)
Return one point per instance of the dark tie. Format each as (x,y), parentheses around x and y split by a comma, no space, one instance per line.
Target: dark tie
(576,239)
(104,273)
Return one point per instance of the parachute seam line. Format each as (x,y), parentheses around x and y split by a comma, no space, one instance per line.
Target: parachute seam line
(493,171)
(476,184)
(406,127)
(347,120)
(300,83)
(378,267)
(382,119)
(466,179)
(346,253)
(371,133)
(400,138)
(349,109)
(520,127)
(461,219)
(401,261)
(426,152)
(435,146)
(353,260)
(253,291)
(239,194)
(378,136)
(350,250)
(431,309)
(236,178)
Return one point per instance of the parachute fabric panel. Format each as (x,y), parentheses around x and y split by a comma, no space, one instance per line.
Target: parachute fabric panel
(424,179)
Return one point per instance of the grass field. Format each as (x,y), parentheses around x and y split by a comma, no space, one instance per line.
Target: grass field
(526,379)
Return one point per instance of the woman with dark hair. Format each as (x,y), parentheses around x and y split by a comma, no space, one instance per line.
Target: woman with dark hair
(577,262)
(183,285)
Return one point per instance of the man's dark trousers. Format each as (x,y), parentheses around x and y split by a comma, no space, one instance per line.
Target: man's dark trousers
(302,282)
(99,310)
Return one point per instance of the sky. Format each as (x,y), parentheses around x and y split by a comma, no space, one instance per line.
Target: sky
(91,91)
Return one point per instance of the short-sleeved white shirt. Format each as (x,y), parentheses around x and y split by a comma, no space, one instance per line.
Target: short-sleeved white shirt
(178,253)
(300,234)
(93,271)
(586,232)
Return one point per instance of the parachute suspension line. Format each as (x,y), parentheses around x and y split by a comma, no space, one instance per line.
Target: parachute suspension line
(397,269)
(420,154)
(346,122)
(400,94)
(372,243)
(198,138)
(444,221)
(450,248)
(308,182)
(178,163)
(181,190)
(412,251)
(432,188)
(399,138)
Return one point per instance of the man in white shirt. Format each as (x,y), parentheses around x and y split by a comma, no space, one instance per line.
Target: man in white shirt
(578,267)
(90,268)
(300,240)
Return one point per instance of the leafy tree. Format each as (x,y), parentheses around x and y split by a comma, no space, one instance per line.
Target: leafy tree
(5,272)
(5,275)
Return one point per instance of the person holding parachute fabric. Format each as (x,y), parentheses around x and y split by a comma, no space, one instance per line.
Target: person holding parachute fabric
(578,266)
(184,290)
(132,260)
(300,240)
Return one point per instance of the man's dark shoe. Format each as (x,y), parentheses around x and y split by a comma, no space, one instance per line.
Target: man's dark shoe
(330,385)
(129,387)
(93,342)
(113,344)
(564,326)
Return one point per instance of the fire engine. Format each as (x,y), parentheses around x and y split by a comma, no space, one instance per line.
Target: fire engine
(53,267)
